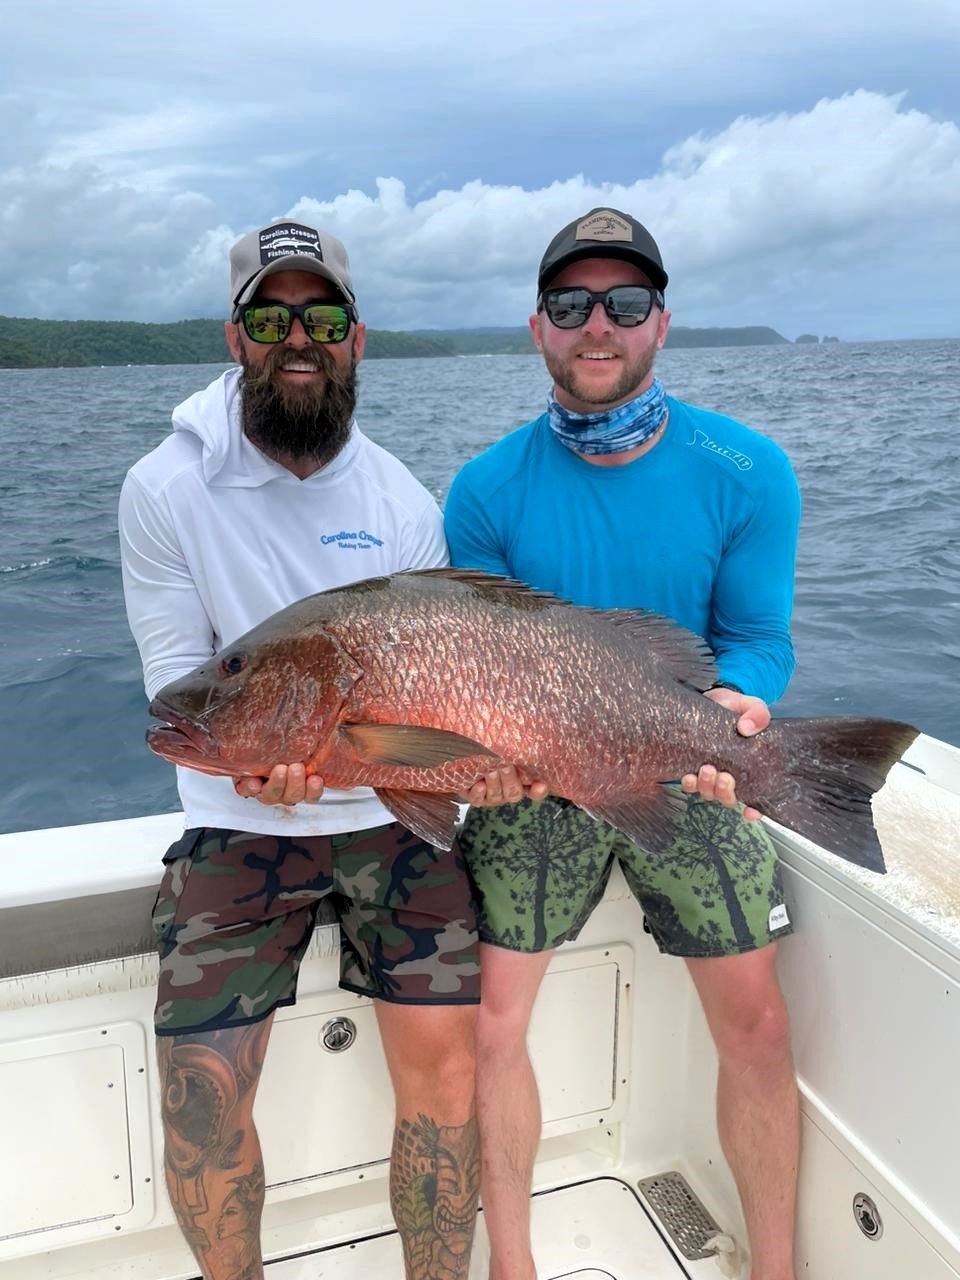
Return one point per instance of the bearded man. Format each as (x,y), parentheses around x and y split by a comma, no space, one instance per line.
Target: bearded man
(266,492)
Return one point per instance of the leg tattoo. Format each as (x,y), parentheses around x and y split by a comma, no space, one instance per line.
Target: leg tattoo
(434,1186)
(214,1171)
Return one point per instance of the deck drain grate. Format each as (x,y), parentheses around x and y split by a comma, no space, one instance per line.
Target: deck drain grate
(681,1213)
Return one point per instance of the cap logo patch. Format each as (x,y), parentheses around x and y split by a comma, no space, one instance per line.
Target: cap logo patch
(289,239)
(604,225)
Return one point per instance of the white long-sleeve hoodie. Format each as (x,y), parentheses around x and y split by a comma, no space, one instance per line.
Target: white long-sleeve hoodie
(215,537)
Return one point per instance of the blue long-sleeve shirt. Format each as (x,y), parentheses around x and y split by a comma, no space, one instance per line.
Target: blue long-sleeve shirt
(702,529)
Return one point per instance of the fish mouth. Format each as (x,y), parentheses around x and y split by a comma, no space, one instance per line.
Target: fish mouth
(183,741)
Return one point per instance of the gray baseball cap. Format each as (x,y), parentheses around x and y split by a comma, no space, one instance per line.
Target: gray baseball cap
(287,246)
(603,233)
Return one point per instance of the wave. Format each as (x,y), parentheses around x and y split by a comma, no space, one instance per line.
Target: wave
(59,562)
(27,564)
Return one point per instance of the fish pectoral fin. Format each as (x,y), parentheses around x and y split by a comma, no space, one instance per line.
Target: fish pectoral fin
(430,816)
(413,745)
(650,820)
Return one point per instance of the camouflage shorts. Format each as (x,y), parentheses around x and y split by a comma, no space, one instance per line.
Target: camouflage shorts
(539,871)
(236,911)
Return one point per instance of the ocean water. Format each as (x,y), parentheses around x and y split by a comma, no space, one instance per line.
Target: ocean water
(873,431)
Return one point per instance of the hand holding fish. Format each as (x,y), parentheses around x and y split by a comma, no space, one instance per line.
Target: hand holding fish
(288,784)
(507,785)
(754,716)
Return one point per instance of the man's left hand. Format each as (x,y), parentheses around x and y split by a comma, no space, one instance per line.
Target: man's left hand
(711,784)
(506,785)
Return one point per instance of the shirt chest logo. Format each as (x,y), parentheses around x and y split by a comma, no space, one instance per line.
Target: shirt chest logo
(351,540)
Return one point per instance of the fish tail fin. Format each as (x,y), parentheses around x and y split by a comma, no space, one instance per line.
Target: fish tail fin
(832,767)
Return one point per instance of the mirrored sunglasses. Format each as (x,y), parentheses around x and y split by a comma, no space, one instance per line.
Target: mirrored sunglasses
(626,305)
(271,322)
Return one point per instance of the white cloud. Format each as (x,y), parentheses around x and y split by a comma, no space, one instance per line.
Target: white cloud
(766,218)
(840,218)
(163,128)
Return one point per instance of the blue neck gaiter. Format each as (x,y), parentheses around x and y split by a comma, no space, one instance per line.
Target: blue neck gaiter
(611,430)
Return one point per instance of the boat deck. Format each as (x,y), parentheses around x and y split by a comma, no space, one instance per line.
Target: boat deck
(595,1230)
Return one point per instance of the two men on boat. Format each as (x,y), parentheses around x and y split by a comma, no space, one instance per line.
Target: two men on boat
(225,522)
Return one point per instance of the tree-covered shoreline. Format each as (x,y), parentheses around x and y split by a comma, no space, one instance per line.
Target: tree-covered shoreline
(37,344)
(33,344)
(516,340)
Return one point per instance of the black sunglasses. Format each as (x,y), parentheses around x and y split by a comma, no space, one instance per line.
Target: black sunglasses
(626,305)
(271,322)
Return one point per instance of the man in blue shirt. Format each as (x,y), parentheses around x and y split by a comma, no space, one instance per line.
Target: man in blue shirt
(622,497)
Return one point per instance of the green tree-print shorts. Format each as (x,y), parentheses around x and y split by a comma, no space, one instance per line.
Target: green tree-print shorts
(236,911)
(540,869)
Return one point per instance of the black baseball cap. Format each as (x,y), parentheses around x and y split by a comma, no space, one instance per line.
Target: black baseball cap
(603,233)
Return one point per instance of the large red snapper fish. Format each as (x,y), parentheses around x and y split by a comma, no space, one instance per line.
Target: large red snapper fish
(419,683)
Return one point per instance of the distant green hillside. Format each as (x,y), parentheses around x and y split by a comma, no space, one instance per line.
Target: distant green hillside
(26,344)
(754,335)
(484,341)
(517,341)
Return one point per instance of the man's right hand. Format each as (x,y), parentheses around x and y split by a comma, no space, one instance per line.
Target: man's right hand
(753,716)
(288,784)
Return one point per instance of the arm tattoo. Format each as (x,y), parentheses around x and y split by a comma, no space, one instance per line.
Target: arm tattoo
(434,1186)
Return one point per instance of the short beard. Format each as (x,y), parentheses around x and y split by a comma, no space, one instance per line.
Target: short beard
(626,388)
(296,424)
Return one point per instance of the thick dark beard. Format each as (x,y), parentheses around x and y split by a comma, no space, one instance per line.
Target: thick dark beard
(297,424)
(633,374)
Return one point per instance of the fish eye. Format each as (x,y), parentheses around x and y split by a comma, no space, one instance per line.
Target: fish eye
(232,666)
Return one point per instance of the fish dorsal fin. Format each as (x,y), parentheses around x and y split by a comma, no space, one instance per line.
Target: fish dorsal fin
(684,655)
(410,745)
(495,585)
(478,576)
(651,820)
(432,817)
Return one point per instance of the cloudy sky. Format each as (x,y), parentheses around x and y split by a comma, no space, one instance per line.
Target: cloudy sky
(797,160)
